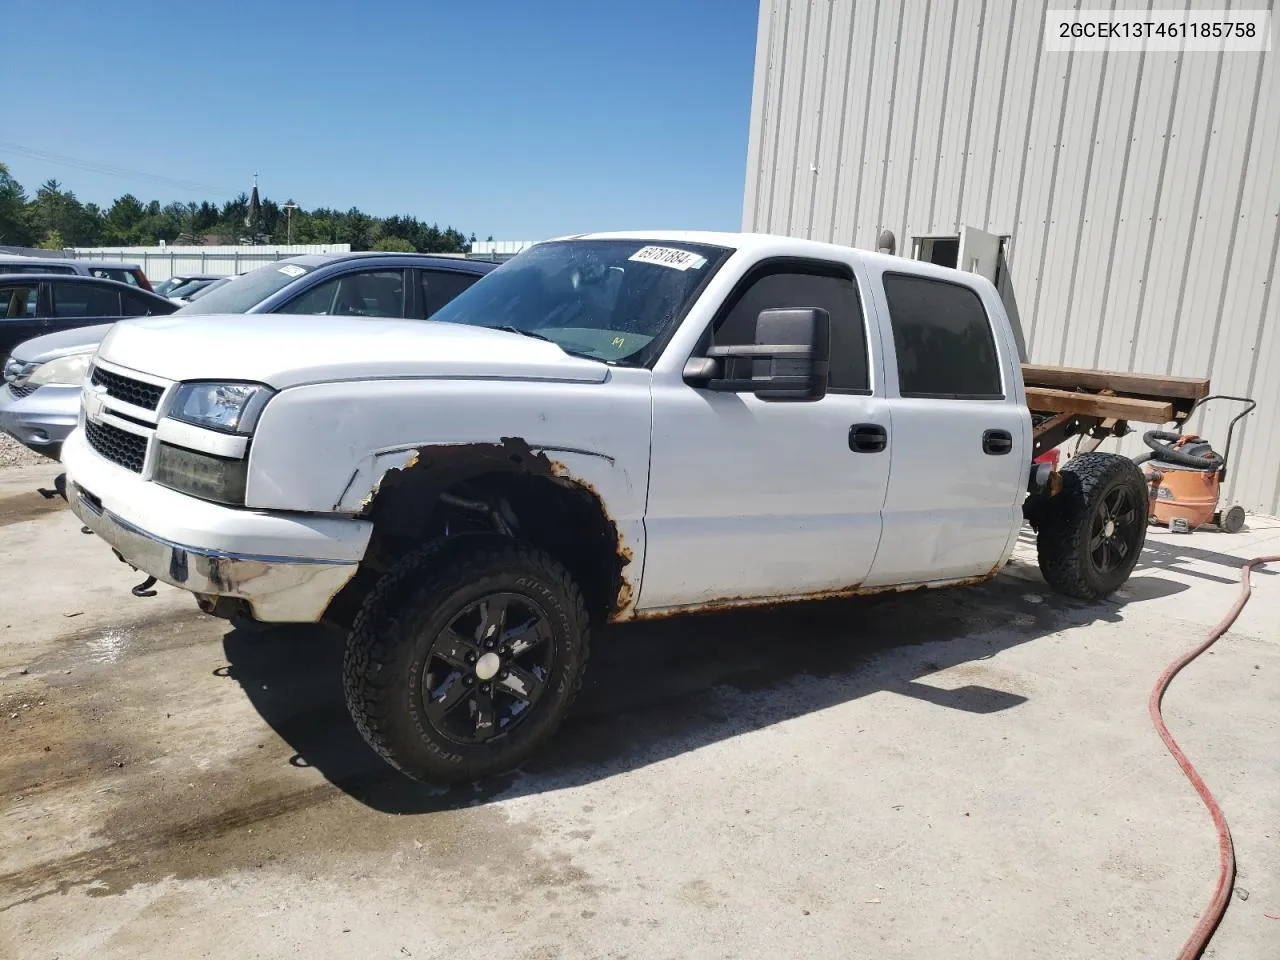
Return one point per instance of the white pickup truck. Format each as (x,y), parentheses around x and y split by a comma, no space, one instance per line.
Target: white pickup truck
(608,427)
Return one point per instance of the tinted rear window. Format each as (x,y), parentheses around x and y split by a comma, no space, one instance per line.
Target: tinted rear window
(84,300)
(942,338)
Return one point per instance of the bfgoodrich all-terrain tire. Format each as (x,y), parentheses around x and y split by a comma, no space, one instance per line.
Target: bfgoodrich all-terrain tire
(1092,532)
(465,658)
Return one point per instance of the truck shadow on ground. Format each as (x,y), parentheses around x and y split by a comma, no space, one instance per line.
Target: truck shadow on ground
(660,689)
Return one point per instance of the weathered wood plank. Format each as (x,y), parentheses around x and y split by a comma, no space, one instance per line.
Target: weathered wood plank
(1045,400)
(1146,384)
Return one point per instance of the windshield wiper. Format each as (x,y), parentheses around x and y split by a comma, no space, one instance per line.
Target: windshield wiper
(525,333)
(542,336)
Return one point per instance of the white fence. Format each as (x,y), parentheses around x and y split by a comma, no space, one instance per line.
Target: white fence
(161,263)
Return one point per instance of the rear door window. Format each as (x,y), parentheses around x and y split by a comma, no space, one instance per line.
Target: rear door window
(377,293)
(438,287)
(85,300)
(19,301)
(943,339)
(135,306)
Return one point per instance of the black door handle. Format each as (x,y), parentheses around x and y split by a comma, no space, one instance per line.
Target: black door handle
(868,438)
(997,442)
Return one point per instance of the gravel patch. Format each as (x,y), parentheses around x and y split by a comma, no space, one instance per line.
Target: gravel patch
(14,454)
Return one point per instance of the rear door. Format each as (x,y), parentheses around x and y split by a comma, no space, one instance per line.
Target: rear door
(961,432)
(19,315)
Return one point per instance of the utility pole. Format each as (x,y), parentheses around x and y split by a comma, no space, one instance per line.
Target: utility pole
(289,207)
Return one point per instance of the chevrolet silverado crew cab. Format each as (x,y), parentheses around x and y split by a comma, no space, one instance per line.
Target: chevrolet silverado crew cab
(607,427)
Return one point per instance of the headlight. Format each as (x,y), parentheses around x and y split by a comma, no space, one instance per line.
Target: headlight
(201,474)
(229,407)
(68,371)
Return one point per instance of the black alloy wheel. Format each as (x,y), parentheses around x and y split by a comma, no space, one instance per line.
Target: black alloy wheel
(487,668)
(1115,531)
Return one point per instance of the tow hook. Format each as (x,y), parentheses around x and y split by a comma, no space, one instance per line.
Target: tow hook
(59,488)
(144,588)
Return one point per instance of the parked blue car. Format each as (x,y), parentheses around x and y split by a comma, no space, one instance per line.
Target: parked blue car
(41,398)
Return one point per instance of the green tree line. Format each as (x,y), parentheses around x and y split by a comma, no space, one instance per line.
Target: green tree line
(54,218)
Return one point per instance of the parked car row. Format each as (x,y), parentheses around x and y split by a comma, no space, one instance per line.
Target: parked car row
(181,287)
(52,324)
(129,273)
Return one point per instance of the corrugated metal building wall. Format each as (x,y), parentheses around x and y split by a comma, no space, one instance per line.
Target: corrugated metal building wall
(1140,192)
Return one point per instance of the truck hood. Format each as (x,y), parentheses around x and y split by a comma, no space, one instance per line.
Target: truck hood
(287,351)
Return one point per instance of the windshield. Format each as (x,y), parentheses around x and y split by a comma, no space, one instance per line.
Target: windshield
(241,294)
(611,300)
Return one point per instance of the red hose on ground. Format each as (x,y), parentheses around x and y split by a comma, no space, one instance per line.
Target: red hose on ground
(1199,938)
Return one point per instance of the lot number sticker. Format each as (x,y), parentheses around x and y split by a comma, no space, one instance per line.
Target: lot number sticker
(292,270)
(668,257)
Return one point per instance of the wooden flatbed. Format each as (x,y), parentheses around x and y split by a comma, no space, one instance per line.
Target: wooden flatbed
(1072,401)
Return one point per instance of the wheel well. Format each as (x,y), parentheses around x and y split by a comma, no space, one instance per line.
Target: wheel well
(483,488)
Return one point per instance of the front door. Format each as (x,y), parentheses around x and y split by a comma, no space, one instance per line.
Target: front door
(752,499)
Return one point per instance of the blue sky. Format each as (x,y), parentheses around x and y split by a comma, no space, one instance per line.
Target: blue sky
(517,118)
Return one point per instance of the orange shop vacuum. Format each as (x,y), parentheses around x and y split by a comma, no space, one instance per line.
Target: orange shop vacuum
(1185,474)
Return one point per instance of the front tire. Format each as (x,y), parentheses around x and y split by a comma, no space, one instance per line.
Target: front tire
(465,658)
(1092,532)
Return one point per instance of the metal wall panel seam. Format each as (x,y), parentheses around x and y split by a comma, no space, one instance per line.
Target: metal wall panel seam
(1235,216)
(800,106)
(1084,199)
(782,73)
(1257,342)
(888,129)
(1195,210)
(1155,209)
(1048,209)
(973,99)
(1026,136)
(915,124)
(862,140)
(1105,302)
(759,122)
(942,114)
(844,113)
(816,172)
(995,141)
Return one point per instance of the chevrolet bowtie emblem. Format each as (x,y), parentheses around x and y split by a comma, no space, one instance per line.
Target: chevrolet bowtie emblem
(93,404)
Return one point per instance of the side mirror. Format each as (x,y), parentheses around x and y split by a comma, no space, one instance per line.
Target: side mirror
(789,360)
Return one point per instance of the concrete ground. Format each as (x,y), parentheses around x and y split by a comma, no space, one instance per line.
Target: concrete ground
(968,773)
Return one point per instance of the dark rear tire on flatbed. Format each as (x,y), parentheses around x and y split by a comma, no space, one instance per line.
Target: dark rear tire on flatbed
(466,657)
(1091,533)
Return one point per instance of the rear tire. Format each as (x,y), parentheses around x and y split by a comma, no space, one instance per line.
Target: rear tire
(465,658)
(1092,532)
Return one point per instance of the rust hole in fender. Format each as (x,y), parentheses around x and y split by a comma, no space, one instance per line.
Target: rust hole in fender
(551,507)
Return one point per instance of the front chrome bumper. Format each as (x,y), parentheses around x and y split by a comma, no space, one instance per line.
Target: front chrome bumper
(277,589)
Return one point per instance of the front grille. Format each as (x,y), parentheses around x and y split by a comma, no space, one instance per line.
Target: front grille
(119,446)
(20,390)
(144,395)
